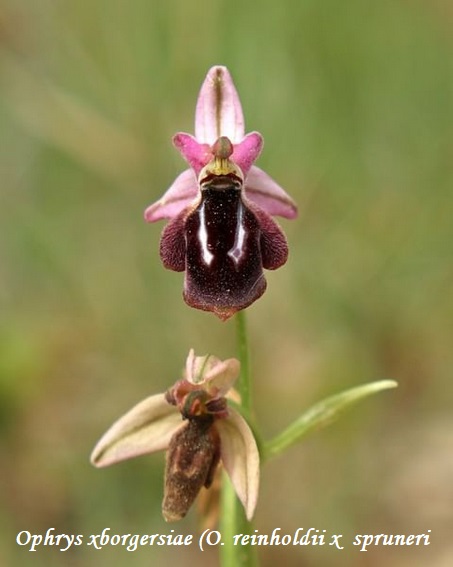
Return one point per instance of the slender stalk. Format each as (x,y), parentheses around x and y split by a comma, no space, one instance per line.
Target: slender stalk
(244,359)
(233,520)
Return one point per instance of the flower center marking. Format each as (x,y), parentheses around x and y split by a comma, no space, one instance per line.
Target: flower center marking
(207,255)
(236,252)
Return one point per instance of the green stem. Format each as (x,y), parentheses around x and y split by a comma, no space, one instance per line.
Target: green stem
(233,520)
(244,358)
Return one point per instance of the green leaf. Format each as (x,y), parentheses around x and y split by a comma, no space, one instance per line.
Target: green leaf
(321,414)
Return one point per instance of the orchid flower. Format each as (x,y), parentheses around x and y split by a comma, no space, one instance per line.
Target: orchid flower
(220,232)
(197,427)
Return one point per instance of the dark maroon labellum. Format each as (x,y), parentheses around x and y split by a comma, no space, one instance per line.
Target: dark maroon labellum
(192,458)
(224,266)
(223,244)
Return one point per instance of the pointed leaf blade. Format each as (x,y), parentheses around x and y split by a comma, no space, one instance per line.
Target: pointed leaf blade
(323,413)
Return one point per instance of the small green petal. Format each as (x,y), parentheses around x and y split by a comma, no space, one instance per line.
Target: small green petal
(146,428)
(322,414)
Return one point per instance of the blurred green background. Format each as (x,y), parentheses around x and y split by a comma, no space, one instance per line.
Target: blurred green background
(355,102)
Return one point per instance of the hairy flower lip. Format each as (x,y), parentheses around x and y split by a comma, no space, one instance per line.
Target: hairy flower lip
(151,424)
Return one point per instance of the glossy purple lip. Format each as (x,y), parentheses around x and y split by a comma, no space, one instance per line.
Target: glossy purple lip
(223,246)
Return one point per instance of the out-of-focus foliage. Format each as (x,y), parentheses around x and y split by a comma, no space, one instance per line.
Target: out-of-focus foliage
(355,101)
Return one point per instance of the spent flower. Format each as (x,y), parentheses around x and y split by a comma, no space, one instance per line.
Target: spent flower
(220,230)
(193,422)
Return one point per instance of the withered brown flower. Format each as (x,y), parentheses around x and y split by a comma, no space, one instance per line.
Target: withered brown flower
(195,424)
